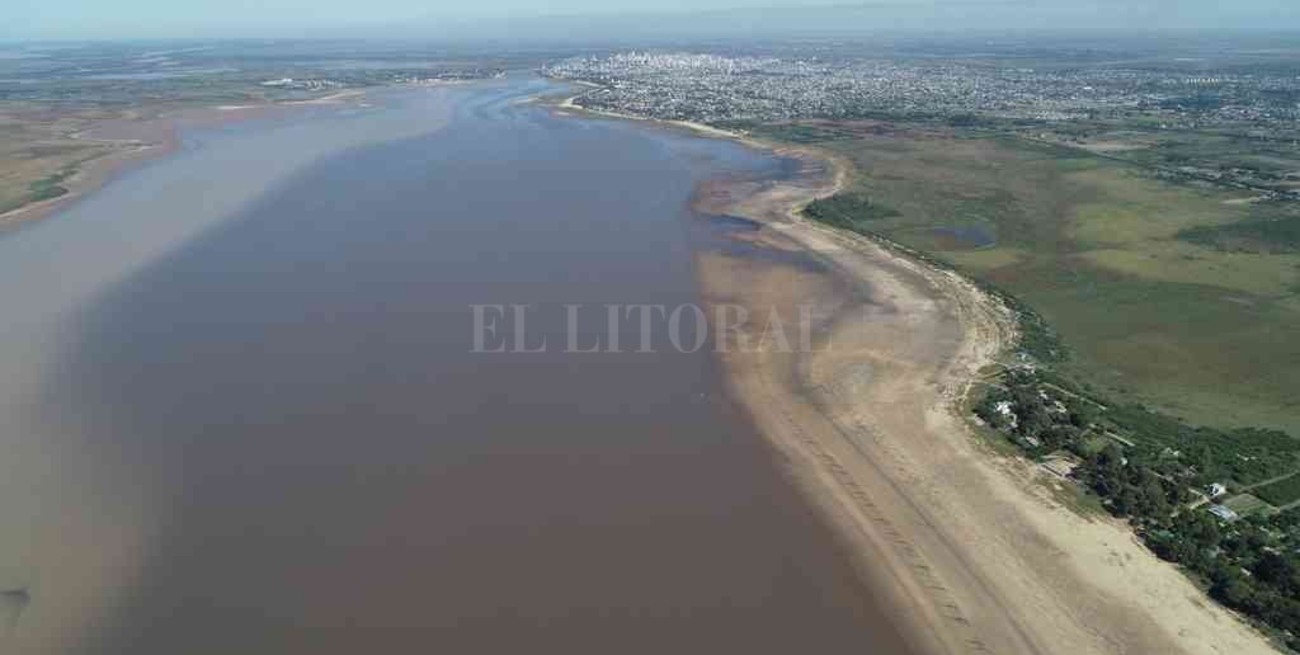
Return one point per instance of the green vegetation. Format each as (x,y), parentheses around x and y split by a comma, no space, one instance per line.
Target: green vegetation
(66,94)
(848,210)
(49,187)
(1037,338)
(1223,156)
(1280,493)
(1249,565)
(1044,417)
(38,160)
(1241,456)
(1278,231)
(1102,263)
(1148,468)
(786,132)
(1248,505)
(1180,307)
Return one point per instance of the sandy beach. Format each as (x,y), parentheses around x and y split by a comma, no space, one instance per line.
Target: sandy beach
(968,547)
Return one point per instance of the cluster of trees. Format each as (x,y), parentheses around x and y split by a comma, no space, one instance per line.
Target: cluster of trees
(1039,423)
(1251,565)
(848,209)
(1192,455)
(1132,488)
(1280,493)
(49,187)
(1242,456)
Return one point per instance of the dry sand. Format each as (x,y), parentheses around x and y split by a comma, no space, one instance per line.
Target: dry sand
(964,545)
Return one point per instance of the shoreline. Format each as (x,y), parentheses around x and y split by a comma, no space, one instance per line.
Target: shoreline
(772,581)
(570,104)
(140,140)
(94,174)
(159,207)
(966,547)
(965,551)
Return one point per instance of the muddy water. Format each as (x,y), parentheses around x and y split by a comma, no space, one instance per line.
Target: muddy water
(260,426)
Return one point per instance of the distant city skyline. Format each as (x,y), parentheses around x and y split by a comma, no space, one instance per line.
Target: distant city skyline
(95,19)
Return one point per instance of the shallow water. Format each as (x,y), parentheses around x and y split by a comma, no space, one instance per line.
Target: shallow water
(243,414)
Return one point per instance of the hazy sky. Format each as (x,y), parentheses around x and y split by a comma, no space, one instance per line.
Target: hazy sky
(201,18)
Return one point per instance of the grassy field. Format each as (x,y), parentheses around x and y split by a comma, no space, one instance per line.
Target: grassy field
(1204,331)
(1282,492)
(39,152)
(1248,505)
(38,156)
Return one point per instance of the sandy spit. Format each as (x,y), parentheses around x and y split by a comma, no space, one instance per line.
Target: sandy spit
(966,547)
(138,140)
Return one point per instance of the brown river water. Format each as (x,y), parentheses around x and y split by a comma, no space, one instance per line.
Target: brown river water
(240,410)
